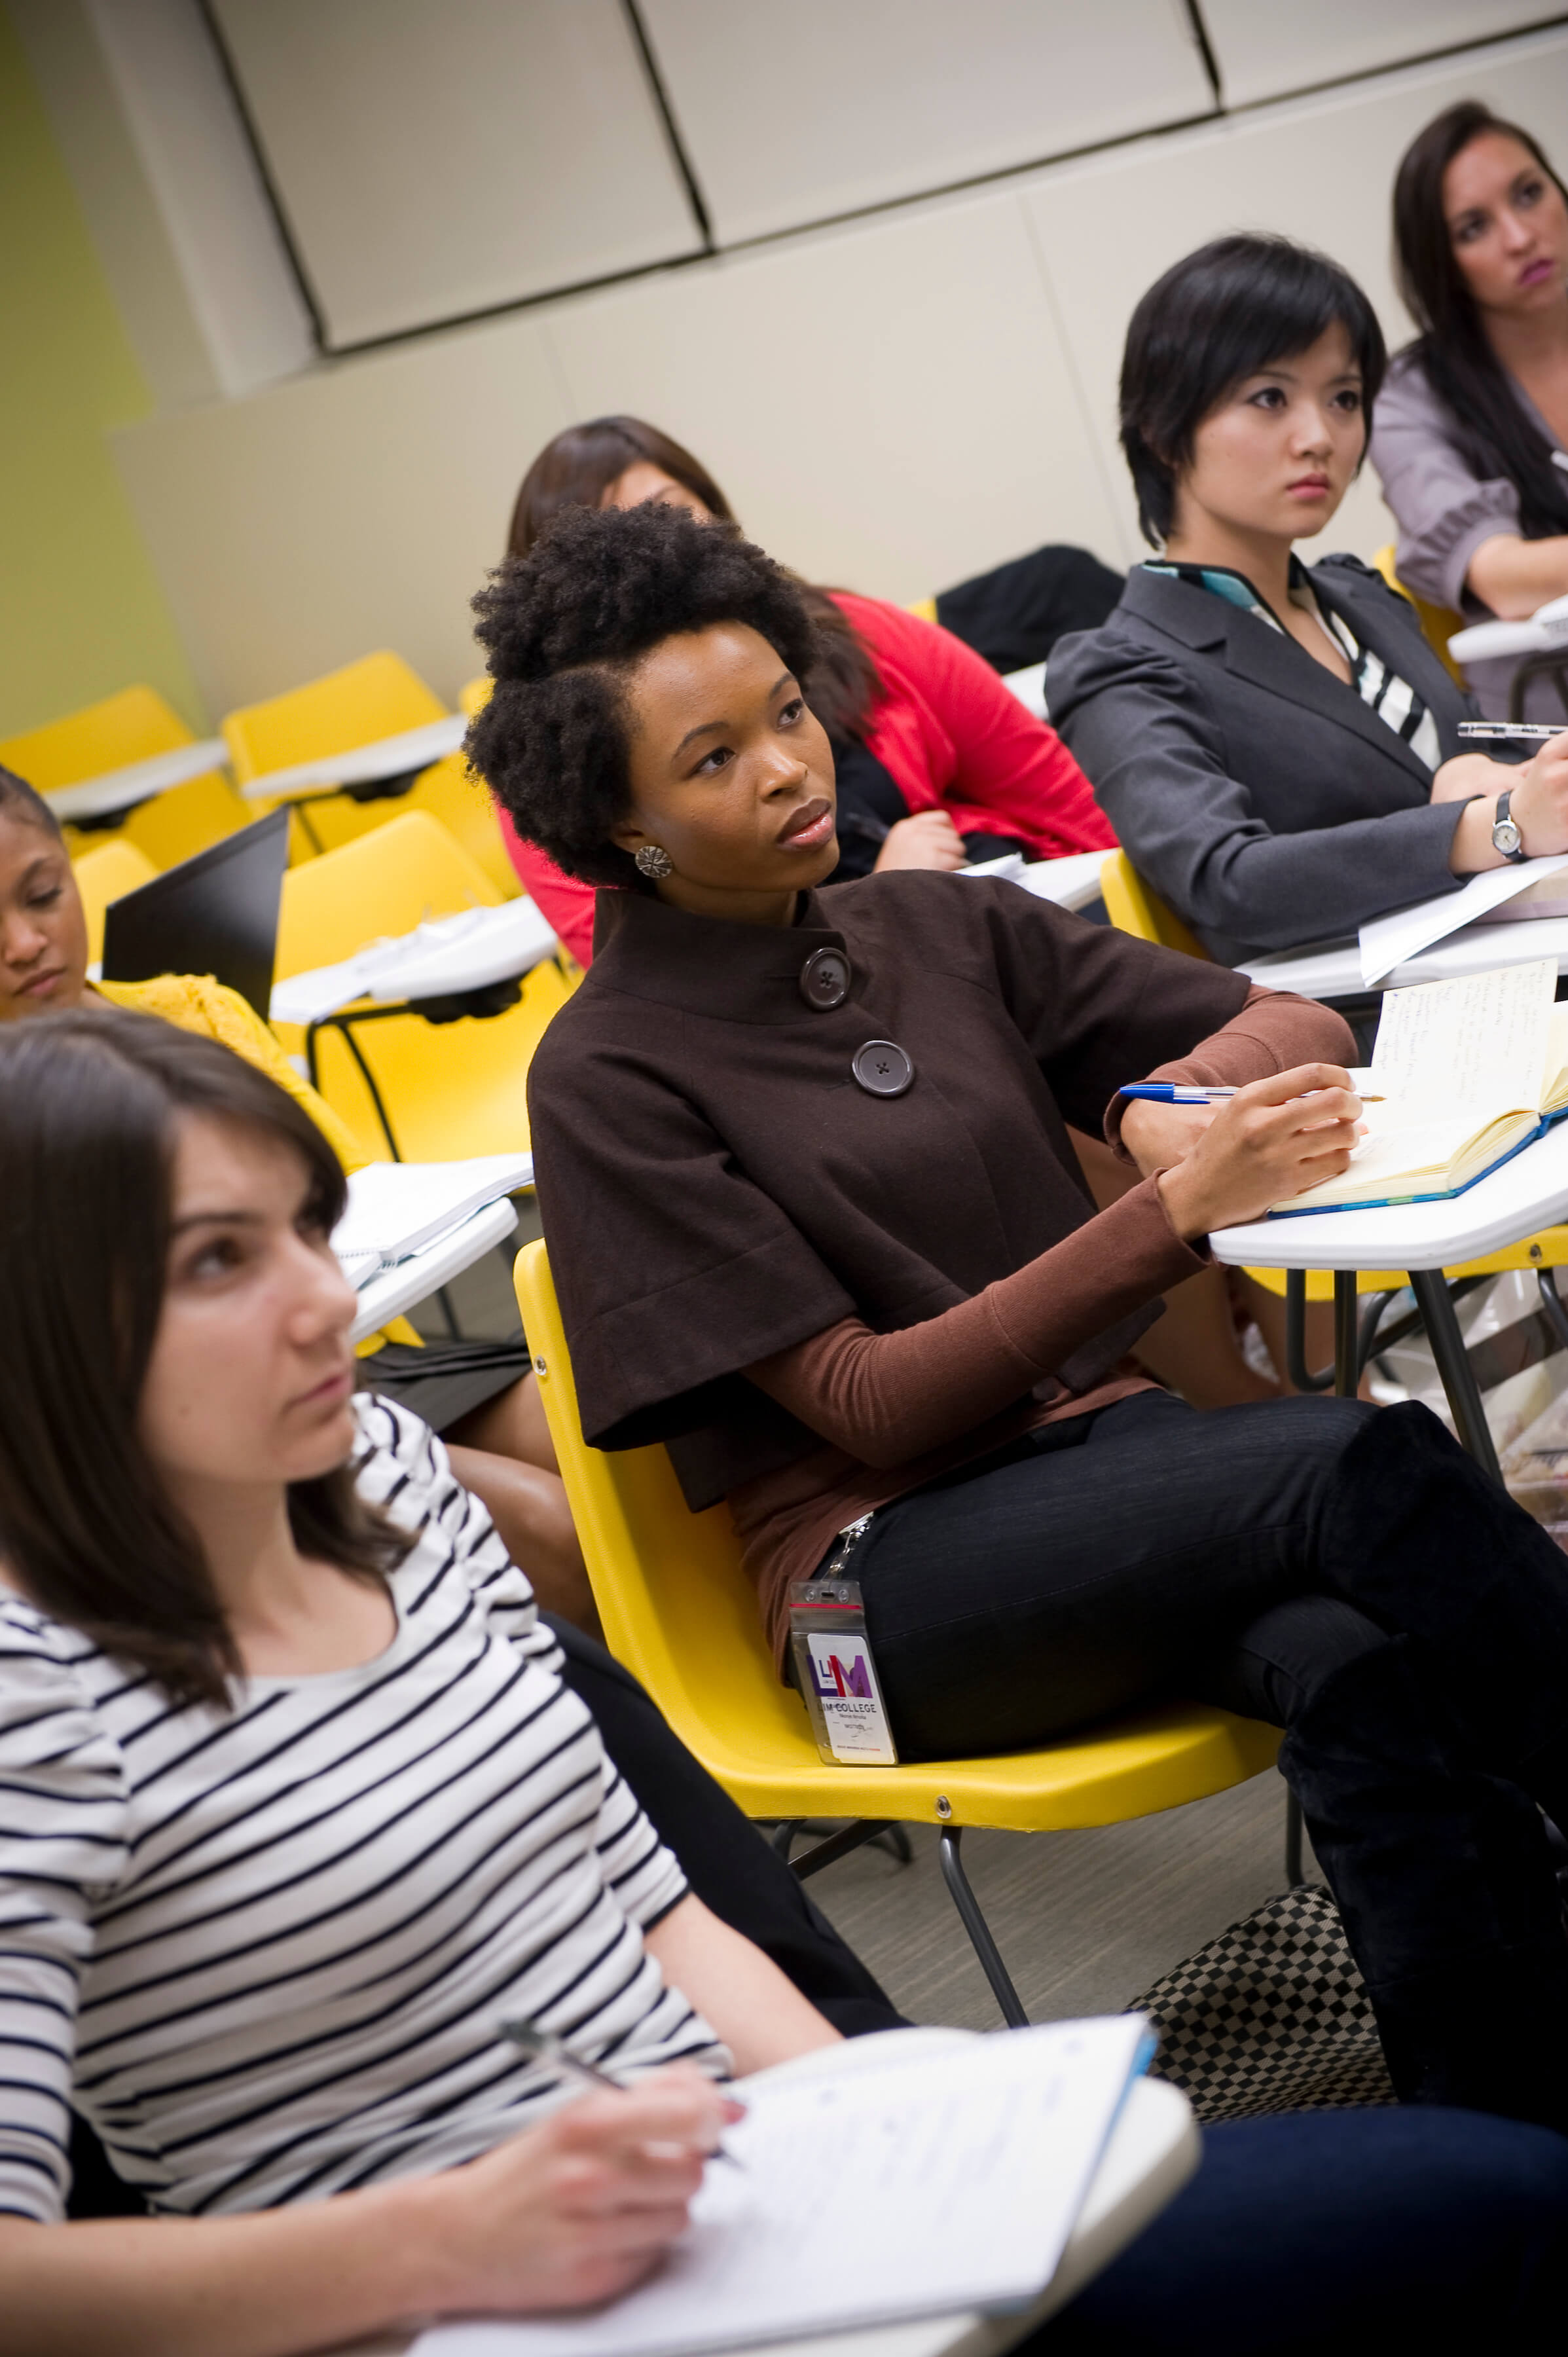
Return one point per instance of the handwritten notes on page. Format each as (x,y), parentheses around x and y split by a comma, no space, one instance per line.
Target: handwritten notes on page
(929,2185)
(1481,1040)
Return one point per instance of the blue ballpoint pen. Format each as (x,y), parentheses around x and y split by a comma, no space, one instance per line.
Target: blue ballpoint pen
(1171,1092)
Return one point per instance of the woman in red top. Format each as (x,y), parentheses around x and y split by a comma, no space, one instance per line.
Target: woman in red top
(938,762)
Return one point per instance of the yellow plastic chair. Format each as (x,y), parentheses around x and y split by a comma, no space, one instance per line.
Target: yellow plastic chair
(105,874)
(1438,622)
(380,695)
(129,726)
(679,1611)
(427,1092)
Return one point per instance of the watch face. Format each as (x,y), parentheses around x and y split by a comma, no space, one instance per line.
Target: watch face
(1506,836)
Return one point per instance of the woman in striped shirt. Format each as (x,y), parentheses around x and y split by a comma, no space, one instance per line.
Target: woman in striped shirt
(293,1810)
(294,1807)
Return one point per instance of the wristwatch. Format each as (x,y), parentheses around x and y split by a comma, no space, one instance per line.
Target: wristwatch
(1506,836)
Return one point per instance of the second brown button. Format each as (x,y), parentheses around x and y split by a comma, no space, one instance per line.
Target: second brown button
(882,1068)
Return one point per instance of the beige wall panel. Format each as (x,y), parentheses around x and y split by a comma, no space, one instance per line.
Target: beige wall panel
(1320,170)
(886,406)
(1264,49)
(795,113)
(434,162)
(355,509)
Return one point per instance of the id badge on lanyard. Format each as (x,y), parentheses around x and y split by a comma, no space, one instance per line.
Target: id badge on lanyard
(833,1668)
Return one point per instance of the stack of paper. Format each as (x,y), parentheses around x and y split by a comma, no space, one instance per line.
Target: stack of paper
(438,959)
(933,2183)
(395,1209)
(1389,942)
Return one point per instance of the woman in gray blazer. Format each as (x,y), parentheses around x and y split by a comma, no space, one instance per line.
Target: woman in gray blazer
(1277,747)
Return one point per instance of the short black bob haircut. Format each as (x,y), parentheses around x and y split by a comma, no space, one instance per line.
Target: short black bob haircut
(567,625)
(1232,308)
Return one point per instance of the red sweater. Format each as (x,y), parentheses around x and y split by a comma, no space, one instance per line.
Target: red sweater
(949,735)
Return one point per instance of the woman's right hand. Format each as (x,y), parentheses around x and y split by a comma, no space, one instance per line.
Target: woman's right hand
(1272,1139)
(929,839)
(580,2208)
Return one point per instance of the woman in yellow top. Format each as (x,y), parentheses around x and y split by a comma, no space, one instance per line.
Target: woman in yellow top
(499,1443)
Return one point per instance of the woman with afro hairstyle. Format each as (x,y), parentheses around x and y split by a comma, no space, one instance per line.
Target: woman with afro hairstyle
(816,1225)
(938,761)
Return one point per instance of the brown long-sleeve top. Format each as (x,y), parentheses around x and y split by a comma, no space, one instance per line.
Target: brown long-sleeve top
(821,1298)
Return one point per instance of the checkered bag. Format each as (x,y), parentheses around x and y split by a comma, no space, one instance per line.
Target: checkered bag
(1271,2016)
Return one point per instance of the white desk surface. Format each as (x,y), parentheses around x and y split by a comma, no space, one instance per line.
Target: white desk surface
(1152,2150)
(397,1289)
(118,790)
(454,955)
(1335,972)
(1510,1203)
(1072,882)
(1029,686)
(361,765)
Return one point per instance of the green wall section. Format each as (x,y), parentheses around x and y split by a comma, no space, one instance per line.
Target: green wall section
(81,610)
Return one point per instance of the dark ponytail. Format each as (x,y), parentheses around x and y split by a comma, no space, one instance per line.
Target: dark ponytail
(1489,426)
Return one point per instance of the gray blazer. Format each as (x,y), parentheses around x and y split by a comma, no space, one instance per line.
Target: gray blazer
(1254,791)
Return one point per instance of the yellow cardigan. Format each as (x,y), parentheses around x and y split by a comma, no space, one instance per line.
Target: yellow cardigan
(194,1002)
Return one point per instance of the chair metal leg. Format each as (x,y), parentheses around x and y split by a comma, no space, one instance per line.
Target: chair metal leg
(1551,1301)
(1437,1311)
(979,1930)
(1294,1874)
(1346,1340)
(782,1837)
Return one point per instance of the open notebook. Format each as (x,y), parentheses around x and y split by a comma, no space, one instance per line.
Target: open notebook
(1469,1071)
(395,1209)
(929,2183)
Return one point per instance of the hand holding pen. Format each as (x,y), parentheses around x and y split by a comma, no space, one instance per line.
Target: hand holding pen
(1272,1138)
(543,2046)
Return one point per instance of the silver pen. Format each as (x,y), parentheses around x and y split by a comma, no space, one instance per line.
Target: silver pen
(543,2046)
(1498,730)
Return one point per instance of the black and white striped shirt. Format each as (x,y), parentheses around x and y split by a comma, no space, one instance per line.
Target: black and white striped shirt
(264,1949)
(1383,690)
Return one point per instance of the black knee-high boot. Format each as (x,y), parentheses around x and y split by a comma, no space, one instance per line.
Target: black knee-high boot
(1414,1533)
(1444,1879)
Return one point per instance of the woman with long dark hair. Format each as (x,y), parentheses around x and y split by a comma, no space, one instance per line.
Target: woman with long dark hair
(1471,438)
(294,1807)
(939,763)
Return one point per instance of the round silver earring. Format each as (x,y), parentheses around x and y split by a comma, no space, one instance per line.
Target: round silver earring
(654,861)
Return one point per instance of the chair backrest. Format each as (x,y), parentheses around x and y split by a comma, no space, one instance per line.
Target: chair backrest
(380,695)
(1133,908)
(474,695)
(129,726)
(106,874)
(405,870)
(1438,622)
(453,1089)
(676,1605)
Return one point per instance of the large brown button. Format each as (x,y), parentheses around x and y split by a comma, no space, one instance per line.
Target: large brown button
(824,979)
(882,1069)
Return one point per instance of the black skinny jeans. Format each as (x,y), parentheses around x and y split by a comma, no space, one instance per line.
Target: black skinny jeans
(1342,1571)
